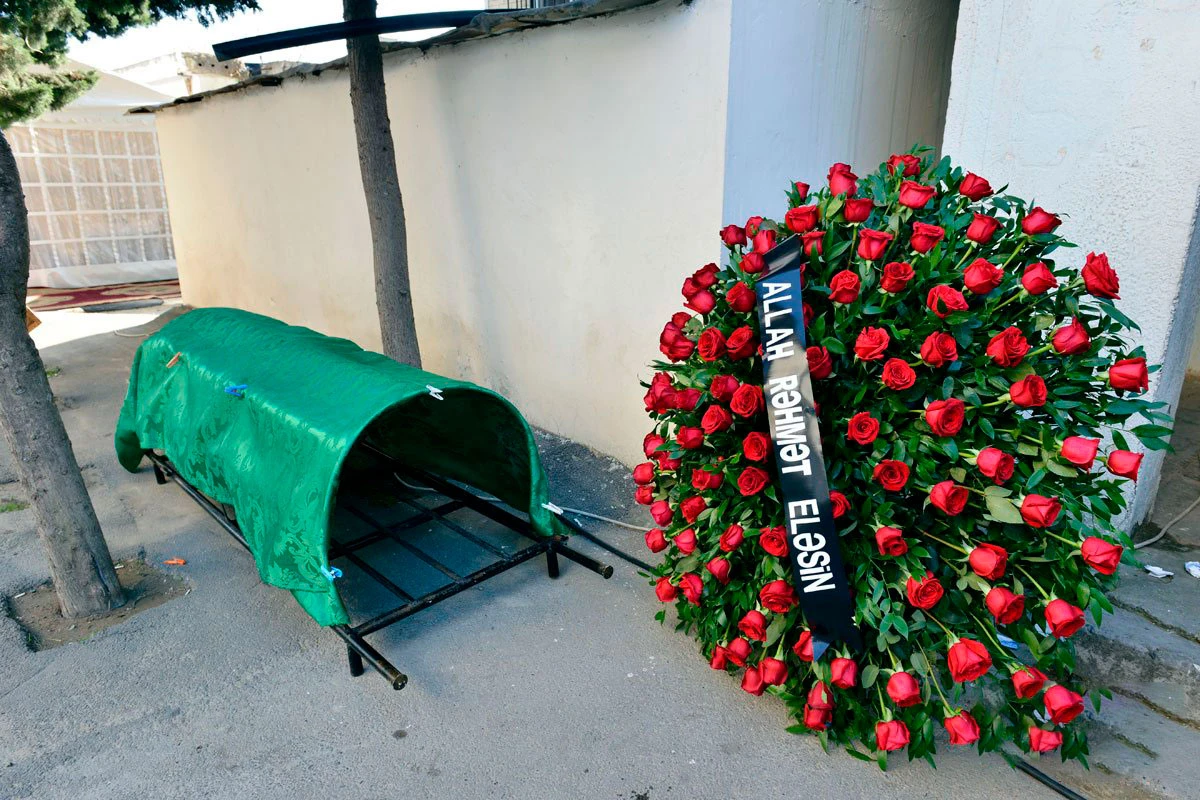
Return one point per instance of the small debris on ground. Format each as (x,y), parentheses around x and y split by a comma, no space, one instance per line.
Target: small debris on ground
(1158,572)
(1193,568)
(175,562)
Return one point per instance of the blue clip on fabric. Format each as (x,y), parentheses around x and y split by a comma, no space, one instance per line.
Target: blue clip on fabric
(236,390)
(332,573)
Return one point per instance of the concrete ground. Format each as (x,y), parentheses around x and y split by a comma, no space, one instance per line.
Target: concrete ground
(521,688)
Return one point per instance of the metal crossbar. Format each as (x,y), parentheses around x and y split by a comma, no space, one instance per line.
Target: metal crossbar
(359,652)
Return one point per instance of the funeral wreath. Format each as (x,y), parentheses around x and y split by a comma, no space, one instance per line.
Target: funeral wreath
(979,402)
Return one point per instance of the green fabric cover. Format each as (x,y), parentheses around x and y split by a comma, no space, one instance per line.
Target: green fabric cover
(275,454)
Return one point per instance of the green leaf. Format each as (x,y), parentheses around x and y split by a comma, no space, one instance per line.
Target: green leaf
(870,673)
(1002,509)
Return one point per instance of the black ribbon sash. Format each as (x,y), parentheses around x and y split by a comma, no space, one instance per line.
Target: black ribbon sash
(813,548)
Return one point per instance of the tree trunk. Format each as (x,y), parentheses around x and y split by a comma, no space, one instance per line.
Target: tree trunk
(80,564)
(385,206)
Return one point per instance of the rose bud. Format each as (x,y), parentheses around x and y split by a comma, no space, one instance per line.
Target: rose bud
(949,497)
(643,474)
(741,343)
(740,297)
(801,219)
(896,275)
(1037,278)
(995,464)
(1005,606)
(1080,450)
(915,195)
(803,647)
(842,180)
(753,225)
(733,236)
(843,287)
(706,479)
(764,241)
(660,397)
(872,244)
(1063,618)
(1028,682)
(906,163)
(692,587)
(924,593)
(661,512)
(1038,220)
(644,495)
(818,711)
(1102,556)
(968,660)
(1130,374)
(843,673)
(665,591)
(722,387)
(891,474)
(686,399)
(1071,339)
(702,302)
(756,446)
(858,209)
(801,190)
(840,504)
(753,626)
(988,561)
(816,719)
(751,481)
(981,276)
(1039,511)
(1007,348)
(774,672)
(891,735)
(778,596)
(939,349)
(689,438)
(1124,463)
(731,538)
(738,651)
(898,375)
(890,542)
(673,344)
(871,344)
(903,689)
(1062,704)
(1041,741)
(974,187)
(925,237)
(962,727)
(820,365)
(945,417)
(752,263)
(656,540)
(811,243)
(982,228)
(715,420)
(720,658)
(944,300)
(752,682)
(1029,392)
(1099,278)
(691,508)
(862,428)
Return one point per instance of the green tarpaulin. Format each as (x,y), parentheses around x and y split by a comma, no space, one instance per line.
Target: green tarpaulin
(261,415)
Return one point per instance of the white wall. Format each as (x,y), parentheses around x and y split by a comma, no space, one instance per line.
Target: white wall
(1093,109)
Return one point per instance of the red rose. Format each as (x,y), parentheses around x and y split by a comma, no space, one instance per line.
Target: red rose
(752,481)
(803,647)
(903,689)
(842,180)
(753,224)
(1038,278)
(705,277)
(722,387)
(1038,220)
(1099,278)
(733,236)
(715,419)
(691,508)
(820,365)
(1008,347)
(891,474)
(872,244)
(1039,511)
(945,417)
(925,237)
(673,344)
(843,287)
(871,344)
(754,626)
(898,375)
(689,438)
(1063,618)
(938,349)
(802,218)
(1124,463)
(944,300)
(924,593)
(686,399)
(811,242)
(982,276)
(1129,373)
(962,727)
(643,473)
(1080,450)
(818,711)
(892,735)
(982,228)
(720,658)
(890,542)
(801,190)
(896,275)
(685,541)
(731,538)
(703,302)
(644,495)
(1028,682)
(703,479)
(1072,339)
(738,651)
(808,314)
(752,263)
(656,540)
(1005,606)
(711,344)
(741,343)
(773,540)
(843,673)
(764,241)
(988,561)
(661,512)
(840,504)
(949,497)
(1041,741)
(858,209)
(660,397)
(968,660)
(747,400)
(863,428)
(974,187)
(774,672)
(778,596)
(692,587)
(915,195)
(1029,392)
(756,446)
(906,163)
(752,682)
(665,591)
(1062,704)
(995,464)
(740,297)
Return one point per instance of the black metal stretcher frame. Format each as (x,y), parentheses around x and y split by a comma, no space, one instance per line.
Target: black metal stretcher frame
(358,650)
